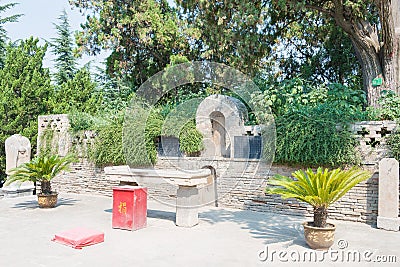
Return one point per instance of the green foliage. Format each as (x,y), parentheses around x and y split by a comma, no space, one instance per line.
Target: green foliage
(141,34)
(78,95)
(107,148)
(295,93)
(319,189)
(3,32)
(393,142)
(229,32)
(190,139)
(41,169)
(26,93)
(62,45)
(80,121)
(116,91)
(46,140)
(142,126)
(307,120)
(317,50)
(310,136)
(389,106)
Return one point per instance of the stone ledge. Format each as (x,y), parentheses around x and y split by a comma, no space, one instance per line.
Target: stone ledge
(391,224)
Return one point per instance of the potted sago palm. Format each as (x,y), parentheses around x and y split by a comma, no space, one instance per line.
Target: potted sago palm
(42,169)
(320,189)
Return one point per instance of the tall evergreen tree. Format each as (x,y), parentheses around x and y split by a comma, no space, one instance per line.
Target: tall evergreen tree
(62,46)
(25,92)
(3,32)
(78,94)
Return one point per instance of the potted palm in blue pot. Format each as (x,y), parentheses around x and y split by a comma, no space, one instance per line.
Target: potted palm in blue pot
(320,189)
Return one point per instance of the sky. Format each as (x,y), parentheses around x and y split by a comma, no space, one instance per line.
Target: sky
(38,21)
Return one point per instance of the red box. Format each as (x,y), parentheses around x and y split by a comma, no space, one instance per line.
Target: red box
(129,207)
(79,237)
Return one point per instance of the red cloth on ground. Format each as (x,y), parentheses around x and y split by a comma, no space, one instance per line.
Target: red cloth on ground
(79,237)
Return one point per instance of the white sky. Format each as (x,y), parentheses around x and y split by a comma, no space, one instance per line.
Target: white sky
(38,21)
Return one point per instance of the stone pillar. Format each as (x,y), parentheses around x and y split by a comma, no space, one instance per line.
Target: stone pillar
(187,202)
(388,201)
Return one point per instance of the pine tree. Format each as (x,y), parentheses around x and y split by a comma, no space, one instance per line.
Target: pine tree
(3,32)
(78,94)
(25,92)
(62,47)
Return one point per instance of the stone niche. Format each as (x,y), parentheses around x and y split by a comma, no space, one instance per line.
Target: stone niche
(220,118)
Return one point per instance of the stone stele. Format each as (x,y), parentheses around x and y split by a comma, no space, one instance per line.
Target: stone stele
(388,201)
(18,151)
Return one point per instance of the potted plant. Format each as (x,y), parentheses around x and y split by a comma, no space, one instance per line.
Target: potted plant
(42,169)
(320,189)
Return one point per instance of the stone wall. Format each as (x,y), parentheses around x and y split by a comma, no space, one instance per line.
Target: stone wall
(238,185)
(371,137)
(59,126)
(244,191)
(234,189)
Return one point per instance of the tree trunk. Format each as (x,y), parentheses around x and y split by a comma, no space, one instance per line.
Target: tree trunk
(371,69)
(389,47)
(45,187)
(377,52)
(396,23)
(320,216)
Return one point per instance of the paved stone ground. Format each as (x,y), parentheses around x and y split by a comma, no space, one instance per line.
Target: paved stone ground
(224,237)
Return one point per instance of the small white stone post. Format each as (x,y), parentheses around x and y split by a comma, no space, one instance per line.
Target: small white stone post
(388,198)
(187,202)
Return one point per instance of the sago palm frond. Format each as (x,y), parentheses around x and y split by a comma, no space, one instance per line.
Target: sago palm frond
(319,189)
(41,168)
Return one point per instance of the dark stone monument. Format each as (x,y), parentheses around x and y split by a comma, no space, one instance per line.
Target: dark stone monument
(168,146)
(248,147)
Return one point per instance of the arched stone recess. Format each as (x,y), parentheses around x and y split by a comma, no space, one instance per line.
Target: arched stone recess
(219,118)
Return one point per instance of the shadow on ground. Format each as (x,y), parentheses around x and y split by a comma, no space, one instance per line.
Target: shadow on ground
(160,214)
(33,204)
(272,228)
(156,214)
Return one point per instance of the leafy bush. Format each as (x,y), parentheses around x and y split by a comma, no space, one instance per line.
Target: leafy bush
(139,135)
(307,120)
(296,93)
(190,139)
(107,148)
(393,142)
(389,106)
(134,142)
(78,93)
(310,136)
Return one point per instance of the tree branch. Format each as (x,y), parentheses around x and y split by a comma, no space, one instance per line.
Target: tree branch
(320,9)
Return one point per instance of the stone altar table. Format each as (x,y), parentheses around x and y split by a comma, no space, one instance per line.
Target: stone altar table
(187,197)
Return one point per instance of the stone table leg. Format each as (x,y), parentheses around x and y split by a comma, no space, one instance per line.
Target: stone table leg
(187,201)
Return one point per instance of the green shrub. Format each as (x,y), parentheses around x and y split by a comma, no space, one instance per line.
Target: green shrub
(46,141)
(107,147)
(389,106)
(296,93)
(139,135)
(310,136)
(393,142)
(130,139)
(190,139)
